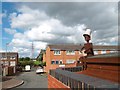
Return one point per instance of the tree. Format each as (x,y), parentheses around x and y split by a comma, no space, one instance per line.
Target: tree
(27,59)
(21,59)
(44,63)
(37,63)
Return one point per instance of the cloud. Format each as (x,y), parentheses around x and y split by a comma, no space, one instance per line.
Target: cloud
(42,27)
(23,52)
(27,19)
(56,23)
(10,31)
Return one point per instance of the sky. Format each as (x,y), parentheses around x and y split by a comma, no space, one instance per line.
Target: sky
(43,23)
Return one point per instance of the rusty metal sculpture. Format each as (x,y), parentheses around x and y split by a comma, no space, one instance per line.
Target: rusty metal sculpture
(88,47)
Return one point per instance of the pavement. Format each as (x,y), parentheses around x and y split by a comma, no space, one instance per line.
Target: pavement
(9,82)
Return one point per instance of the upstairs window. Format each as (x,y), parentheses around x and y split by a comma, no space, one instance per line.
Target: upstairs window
(12,58)
(70,52)
(57,52)
(3,58)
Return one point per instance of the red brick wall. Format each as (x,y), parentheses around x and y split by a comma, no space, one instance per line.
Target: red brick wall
(50,56)
(54,83)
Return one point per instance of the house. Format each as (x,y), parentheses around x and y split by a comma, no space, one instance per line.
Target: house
(64,55)
(8,61)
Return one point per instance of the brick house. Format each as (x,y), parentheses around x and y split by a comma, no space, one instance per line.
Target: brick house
(67,55)
(8,61)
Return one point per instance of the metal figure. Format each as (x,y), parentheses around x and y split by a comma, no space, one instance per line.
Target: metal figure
(88,47)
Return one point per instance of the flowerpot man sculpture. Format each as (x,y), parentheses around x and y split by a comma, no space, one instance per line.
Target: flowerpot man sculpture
(88,47)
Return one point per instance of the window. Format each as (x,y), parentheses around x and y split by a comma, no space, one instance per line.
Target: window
(96,52)
(61,62)
(12,58)
(57,52)
(4,58)
(113,51)
(52,62)
(12,63)
(56,62)
(6,63)
(103,52)
(70,52)
(70,61)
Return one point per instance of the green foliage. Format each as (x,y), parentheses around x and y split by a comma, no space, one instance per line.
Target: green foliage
(40,58)
(23,62)
(21,59)
(24,59)
(27,59)
(37,63)
(44,63)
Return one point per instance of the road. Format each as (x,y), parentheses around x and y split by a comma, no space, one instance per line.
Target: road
(33,80)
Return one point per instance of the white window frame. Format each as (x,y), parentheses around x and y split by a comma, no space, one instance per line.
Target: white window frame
(6,63)
(4,58)
(70,52)
(70,61)
(56,52)
(96,52)
(103,52)
(12,63)
(113,51)
(12,57)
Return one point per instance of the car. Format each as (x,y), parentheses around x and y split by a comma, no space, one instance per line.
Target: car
(27,68)
(39,70)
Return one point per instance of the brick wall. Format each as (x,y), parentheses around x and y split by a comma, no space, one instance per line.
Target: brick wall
(49,56)
(54,83)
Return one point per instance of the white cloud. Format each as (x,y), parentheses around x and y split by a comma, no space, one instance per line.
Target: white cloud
(23,52)
(10,31)
(43,29)
(20,42)
(28,18)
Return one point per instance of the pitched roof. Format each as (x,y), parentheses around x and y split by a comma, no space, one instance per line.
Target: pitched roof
(105,47)
(9,52)
(65,47)
(78,47)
